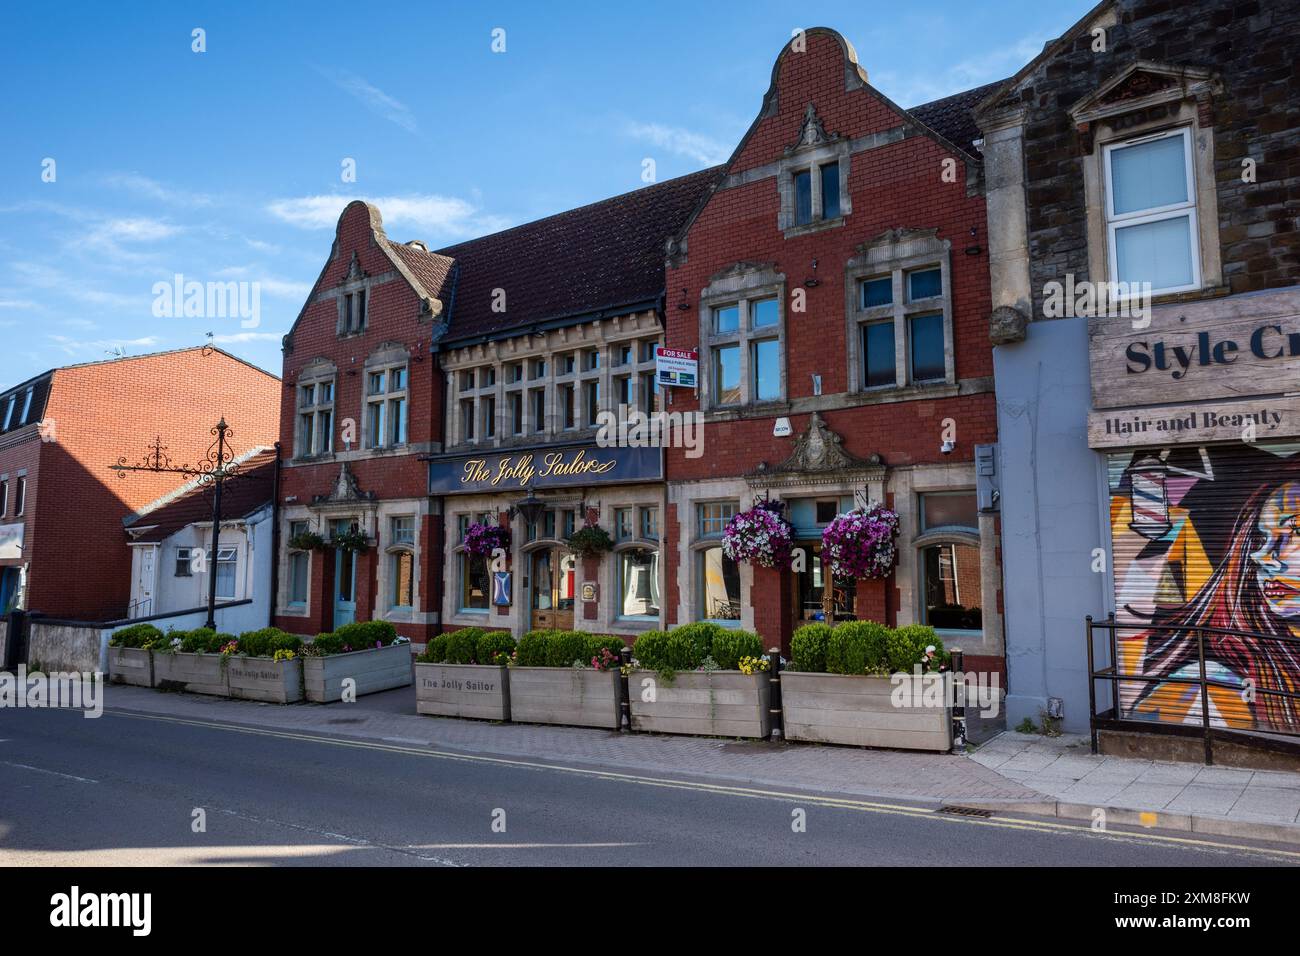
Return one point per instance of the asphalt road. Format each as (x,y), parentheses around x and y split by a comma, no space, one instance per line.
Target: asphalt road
(124,790)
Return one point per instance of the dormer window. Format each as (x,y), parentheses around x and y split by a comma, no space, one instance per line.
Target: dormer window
(353,312)
(813,179)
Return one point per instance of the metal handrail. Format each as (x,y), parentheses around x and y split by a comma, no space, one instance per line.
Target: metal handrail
(1110,672)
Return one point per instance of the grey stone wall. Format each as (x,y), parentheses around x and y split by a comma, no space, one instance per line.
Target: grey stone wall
(1254,47)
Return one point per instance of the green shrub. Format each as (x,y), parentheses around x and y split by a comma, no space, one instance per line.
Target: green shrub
(494,647)
(265,641)
(599,642)
(921,636)
(808,648)
(532,649)
(201,640)
(137,635)
(462,645)
(701,635)
(900,653)
(651,650)
(329,643)
(565,647)
(435,651)
(730,646)
(366,635)
(856,647)
(221,639)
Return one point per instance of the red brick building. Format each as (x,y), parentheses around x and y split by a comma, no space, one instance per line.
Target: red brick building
(62,508)
(836,285)
(362,402)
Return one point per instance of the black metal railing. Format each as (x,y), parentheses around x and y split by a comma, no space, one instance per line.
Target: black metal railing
(1112,677)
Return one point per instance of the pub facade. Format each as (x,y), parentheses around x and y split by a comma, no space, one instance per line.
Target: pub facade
(532,365)
(834,287)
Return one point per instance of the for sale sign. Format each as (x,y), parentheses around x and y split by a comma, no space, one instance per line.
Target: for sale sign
(677,366)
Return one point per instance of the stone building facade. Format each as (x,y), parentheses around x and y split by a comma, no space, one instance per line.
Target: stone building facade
(1151,143)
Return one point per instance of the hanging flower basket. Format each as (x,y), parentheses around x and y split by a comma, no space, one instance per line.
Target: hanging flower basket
(590,541)
(308,541)
(860,543)
(760,535)
(483,539)
(353,539)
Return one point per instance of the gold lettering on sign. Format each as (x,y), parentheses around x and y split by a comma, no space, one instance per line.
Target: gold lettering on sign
(580,465)
(522,470)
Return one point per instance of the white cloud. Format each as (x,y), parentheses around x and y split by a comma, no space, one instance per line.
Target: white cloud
(17,304)
(917,87)
(434,215)
(96,347)
(376,100)
(137,229)
(236,337)
(680,141)
(152,189)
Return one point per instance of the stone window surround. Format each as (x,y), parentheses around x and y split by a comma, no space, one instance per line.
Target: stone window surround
(1104,130)
(370,517)
(315,372)
(810,159)
(518,617)
(385,358)
(632,544)
(692,546)
(905,483)
(897,254)
(607,336)
(739,285)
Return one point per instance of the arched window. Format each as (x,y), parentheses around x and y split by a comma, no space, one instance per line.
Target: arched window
(948,563)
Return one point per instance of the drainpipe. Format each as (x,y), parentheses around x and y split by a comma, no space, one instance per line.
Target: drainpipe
(275,539)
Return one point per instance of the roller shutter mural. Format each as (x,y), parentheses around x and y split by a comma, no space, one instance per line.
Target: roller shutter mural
(1208,537)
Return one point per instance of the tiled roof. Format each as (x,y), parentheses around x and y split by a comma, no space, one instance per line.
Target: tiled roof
(240,497)
(953,117)
(430,269)
(583,262)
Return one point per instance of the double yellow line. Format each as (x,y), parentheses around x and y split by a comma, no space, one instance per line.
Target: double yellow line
(802,799)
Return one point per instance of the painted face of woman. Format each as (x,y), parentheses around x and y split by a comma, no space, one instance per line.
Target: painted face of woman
(1277,562)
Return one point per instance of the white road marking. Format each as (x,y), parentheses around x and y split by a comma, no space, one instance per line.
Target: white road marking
(66,776)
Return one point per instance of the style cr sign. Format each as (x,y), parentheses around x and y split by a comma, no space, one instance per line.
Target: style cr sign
(1205,351)
(677,366)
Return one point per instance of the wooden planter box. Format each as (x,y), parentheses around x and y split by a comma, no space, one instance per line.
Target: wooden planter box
(578,697)
(199,673)
(264,678)
(380,668)
(463,690)
(847,709)
(130,665)
(713,704)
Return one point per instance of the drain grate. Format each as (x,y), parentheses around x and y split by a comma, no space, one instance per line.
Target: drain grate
(966,811)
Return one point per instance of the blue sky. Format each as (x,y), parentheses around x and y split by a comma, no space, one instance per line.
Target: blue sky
(226,165)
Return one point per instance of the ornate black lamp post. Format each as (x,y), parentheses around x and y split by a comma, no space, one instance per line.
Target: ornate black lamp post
(213,470)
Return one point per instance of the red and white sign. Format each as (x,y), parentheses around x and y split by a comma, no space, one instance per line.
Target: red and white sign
(677,366)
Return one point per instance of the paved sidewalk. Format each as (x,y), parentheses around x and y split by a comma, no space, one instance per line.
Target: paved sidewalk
(390,716)
(1181,795)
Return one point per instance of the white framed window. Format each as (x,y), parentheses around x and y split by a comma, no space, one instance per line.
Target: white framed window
(226,565)
(386,406)
(184,563)
(1151,227)
(9,412)
(948,562)
(401,562)
(20,496)
(745,344)
(638,583)
(4,498)
(900,313)
(299,568)
(352,312)
(315,418)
